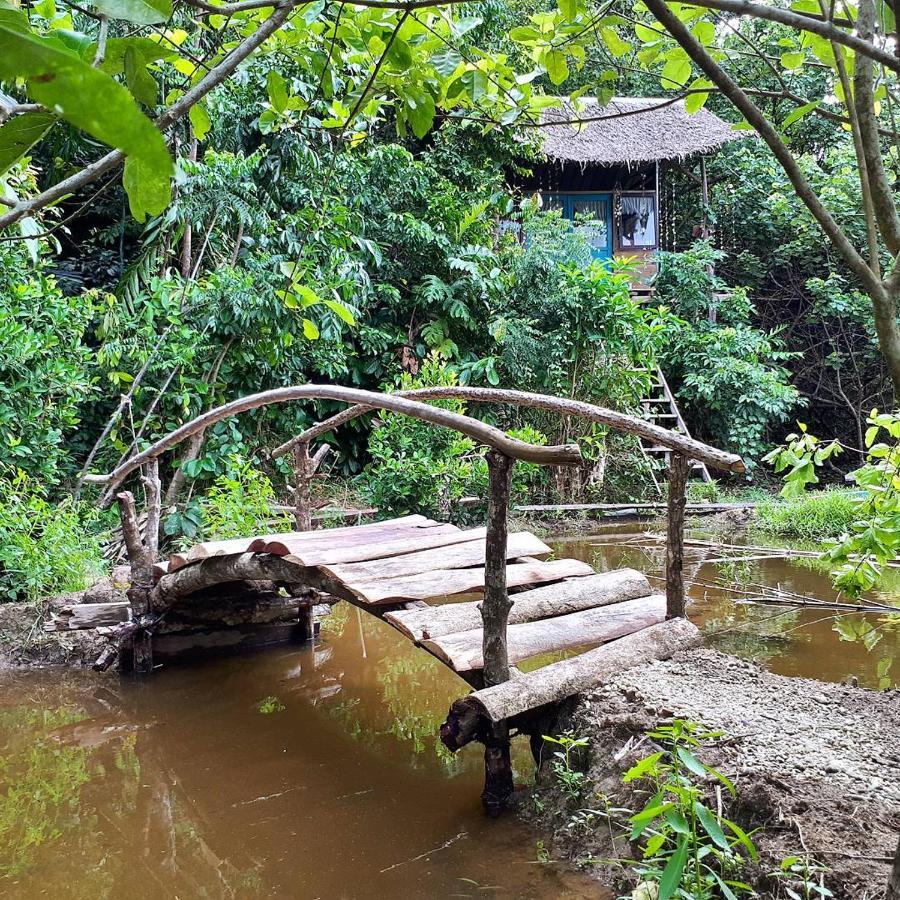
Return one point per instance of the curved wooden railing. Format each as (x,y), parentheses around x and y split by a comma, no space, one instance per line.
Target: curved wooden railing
(565,455)
(679,443)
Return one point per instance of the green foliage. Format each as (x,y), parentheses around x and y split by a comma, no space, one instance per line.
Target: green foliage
(729,373)
(689,851)
(417,467)
(45,370)
(571,780)
(239,504)
(802,878)
(872,537)
(813,517)
(44,548)
(269,705)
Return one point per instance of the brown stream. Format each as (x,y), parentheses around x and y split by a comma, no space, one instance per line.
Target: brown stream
(180,787)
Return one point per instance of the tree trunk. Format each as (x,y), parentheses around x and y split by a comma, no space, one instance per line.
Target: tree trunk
(679,466)
(302,499)
(888,332)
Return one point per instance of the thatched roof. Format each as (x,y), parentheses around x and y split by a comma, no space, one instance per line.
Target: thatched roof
(630,130)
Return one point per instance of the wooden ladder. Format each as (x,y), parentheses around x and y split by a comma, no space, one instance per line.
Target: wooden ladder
(661,409)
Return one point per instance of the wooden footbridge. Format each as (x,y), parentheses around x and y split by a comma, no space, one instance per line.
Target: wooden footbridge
(479,600)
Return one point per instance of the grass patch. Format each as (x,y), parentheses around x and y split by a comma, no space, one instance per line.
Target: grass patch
(814,516)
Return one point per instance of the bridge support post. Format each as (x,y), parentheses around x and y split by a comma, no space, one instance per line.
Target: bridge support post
(498,780)
(142,551)
(679,467)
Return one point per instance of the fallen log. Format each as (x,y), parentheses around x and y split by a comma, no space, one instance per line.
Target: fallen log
(559,681)
(462,652)
(447,582)
(539,603)
(224,569)
(455,556)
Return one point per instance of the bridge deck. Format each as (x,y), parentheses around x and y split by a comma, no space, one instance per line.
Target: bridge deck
(416,573)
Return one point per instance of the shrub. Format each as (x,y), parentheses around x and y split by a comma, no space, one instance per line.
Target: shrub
(417,467)
(44,548)
(44,367)
(240,503)
(826,514)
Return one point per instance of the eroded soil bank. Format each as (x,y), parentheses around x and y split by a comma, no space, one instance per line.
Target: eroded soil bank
(816,767)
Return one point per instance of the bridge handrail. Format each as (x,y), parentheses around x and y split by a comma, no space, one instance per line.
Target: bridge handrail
(562,455)
(680,443)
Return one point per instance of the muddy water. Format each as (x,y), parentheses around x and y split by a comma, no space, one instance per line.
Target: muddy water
(812,643)
(180,786)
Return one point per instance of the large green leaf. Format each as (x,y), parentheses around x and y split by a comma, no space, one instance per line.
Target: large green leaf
(91,100)
(141,12)
(20,134)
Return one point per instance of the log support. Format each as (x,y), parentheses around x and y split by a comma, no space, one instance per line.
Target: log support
(498,781)
(679,466)
(142,551)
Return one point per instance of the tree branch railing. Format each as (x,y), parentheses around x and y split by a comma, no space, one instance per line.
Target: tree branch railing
(673,440)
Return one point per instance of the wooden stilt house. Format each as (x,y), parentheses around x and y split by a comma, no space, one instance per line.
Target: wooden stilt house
(605,164)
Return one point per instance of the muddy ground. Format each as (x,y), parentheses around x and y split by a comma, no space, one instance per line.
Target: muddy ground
(816,767)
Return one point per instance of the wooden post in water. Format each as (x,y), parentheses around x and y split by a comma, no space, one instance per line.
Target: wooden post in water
(679,467)
(498,780)
(142,551)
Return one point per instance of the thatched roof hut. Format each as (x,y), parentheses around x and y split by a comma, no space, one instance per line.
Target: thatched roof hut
(630,130)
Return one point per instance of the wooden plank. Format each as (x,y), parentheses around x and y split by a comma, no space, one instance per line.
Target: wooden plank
(89,615)
(447,582)
(423,539)
(405,526)
(557,681)
(418,539)
(350,535)
(539,603)
(463,651)
(456,556)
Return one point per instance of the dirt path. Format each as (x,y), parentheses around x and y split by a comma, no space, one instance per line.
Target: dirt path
(816,766)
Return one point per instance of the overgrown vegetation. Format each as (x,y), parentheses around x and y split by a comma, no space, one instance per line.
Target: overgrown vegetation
(45,547)
(812,517)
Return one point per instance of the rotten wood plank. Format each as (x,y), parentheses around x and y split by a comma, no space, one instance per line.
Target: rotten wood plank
(462,651)
(78,616)
(447,582)
(456,556)
(558,681)
(539,603)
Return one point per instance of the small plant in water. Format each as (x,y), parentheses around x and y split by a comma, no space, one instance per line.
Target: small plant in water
(689,851)
(543,854)
(802,878)
(570,779)
(269,705)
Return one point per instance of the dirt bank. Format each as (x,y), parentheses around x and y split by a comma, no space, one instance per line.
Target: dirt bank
(816,767)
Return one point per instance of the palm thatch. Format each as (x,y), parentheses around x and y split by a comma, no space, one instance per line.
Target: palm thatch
(630,130)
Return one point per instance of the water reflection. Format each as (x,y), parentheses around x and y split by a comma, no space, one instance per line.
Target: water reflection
(829,645)
(178,786)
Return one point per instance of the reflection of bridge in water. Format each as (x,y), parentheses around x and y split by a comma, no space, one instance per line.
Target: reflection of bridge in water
(406,571)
